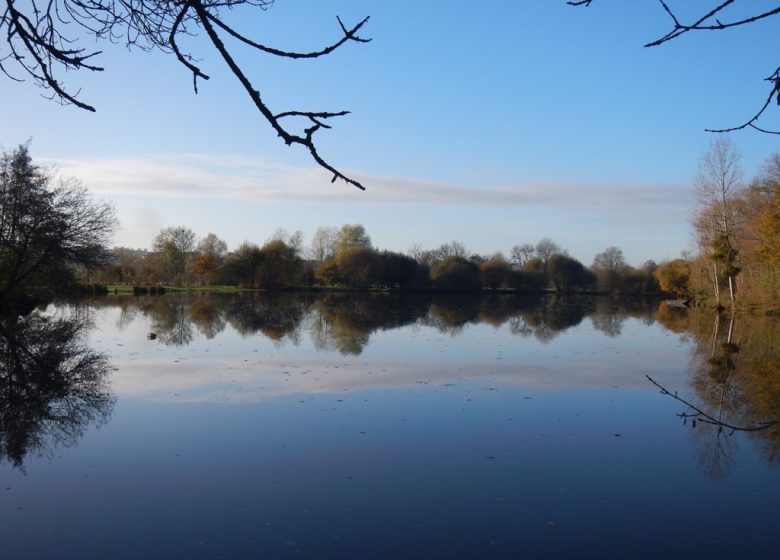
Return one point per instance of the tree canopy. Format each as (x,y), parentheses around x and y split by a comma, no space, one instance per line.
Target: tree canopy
(43,41)
(47,226)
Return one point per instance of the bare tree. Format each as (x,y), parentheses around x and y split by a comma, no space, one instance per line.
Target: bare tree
(720,15)
(42,42)
(546,248)
(323,244)
(718,215)
(522,253)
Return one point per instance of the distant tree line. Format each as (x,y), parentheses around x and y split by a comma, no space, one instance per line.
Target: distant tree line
(345,257)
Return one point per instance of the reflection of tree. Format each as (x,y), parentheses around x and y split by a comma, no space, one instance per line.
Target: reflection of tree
(551,316)
(207,315)
(736,381)
(52,387)
(346,321)
(278,315)
(609,316)
(171,319)
(450,314)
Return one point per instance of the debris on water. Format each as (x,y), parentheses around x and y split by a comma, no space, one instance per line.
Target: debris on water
(617,435)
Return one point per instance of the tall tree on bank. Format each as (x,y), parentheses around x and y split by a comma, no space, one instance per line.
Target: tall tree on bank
(47,226)
(718,213)
(209,255)
(175,245)
(42,42)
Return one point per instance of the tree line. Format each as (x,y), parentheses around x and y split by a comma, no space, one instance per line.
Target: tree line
(53,235)
(345,257)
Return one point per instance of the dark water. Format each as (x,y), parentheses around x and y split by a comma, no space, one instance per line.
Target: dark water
(388,427)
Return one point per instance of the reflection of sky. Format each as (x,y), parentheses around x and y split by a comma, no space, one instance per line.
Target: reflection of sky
(232,367)
(479,445)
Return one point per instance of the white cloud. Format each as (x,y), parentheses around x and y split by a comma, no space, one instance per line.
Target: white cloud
(253,179)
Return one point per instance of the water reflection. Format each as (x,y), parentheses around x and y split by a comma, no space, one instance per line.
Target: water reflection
(345,321)
(735,378)
(733,370)
(52,386)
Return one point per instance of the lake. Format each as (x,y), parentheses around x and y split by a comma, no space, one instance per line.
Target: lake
(388,426)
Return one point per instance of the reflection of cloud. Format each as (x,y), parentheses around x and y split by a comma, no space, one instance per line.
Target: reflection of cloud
(253,179)
(239,380)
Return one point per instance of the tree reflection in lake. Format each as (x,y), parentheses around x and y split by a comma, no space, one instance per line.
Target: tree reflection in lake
(345,322)
(735,376)
(52,386)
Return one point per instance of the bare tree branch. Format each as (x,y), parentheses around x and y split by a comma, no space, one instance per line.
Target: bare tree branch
(710,21)
(36,43)
(698,415)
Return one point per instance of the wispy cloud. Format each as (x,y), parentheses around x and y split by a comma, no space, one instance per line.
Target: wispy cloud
(252,179)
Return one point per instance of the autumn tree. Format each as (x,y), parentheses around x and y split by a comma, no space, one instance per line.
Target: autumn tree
(351,236)
(209,255)
(360,267)
(673,277)
(278,265)
(43,42)
(47,227)
(456,274)
(495,272)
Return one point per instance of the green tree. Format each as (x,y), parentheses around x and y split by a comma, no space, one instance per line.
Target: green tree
(47,227)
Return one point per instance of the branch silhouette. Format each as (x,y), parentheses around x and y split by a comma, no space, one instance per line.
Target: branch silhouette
(711,20)
(695,414)
(40,41)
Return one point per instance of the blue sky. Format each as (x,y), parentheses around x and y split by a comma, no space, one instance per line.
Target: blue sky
(493,125)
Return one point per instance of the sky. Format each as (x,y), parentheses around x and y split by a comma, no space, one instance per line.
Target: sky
(493,124)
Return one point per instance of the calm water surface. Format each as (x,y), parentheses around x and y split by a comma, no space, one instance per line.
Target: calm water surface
(344,426)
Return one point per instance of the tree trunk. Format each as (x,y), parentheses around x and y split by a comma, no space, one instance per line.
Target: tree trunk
(717,284)
(731,291)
